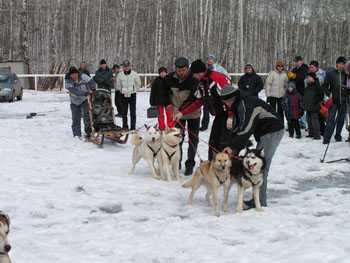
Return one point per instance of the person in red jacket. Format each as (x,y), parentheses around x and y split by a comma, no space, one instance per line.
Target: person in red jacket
(160,97)
(207,94)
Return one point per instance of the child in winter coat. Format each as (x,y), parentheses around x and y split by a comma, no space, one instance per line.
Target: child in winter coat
(160,97)
(313,97)
(292,106)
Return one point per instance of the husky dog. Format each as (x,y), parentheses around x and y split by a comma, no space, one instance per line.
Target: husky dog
(5,247)
(170,154)
(147,148)
(213,174)
(248,173)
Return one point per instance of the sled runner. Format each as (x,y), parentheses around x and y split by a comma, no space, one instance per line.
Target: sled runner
(102,120)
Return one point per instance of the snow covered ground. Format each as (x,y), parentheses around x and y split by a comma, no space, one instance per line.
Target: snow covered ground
(70,201)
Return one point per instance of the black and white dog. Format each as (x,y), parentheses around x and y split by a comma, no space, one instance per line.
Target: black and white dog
(247,171)
(5,246)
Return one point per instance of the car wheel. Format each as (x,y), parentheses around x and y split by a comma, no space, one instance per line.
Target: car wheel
(20,96)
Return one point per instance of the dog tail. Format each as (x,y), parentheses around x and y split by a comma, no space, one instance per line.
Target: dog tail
(136,139)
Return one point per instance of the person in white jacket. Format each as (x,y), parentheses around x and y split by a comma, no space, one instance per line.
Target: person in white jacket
(275,87)
(128,83)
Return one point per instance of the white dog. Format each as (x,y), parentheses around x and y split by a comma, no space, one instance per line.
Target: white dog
(170,154)
(147,148)
(5,247)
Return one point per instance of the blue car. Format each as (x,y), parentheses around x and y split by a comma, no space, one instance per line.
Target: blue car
(10,86)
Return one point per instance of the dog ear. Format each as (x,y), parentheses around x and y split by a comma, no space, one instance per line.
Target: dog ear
(214,155)
(243,152)
(155,126)
(261,152)
(147,127)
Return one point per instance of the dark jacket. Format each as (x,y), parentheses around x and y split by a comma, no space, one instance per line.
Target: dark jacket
(301,73)
(183,94)
(160,93)
(334,85)
(252,116)
(250,85)
(103,78)
(293,105)
(313,97)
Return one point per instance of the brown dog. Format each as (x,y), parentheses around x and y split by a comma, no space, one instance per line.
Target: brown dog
(4,244)
(212,174)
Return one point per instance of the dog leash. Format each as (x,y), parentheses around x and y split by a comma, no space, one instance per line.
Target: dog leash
(204,141)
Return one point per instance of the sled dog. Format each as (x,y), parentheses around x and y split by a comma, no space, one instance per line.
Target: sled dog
(5,246)
(147,148)
(248,173)
(170,154)
(212,174)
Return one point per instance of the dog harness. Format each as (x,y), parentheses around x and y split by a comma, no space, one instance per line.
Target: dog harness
(248,178)
(153,151)
(170,155)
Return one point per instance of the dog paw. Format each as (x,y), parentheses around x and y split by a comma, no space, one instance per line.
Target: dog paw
(239,210)
(225,209)
(259,209)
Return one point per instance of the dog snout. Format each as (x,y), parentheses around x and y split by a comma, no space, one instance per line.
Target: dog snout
(153,139)
(7,248)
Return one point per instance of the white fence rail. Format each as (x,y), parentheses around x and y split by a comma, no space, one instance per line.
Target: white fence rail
(145,77)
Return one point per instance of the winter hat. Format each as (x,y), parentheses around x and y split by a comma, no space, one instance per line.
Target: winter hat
(126,63)
(312,75)
(227,92)
(341,60)
(181,62)
(314,63)
(249,66)
(162,69)
(73,70)
(198,66)
(211,57)
(103,61)
(298,58)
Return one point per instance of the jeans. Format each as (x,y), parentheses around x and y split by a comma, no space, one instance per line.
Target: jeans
(78,112)
(129,102)
(269,142)
(336,120)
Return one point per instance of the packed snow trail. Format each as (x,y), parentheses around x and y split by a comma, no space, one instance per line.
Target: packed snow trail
(70,201)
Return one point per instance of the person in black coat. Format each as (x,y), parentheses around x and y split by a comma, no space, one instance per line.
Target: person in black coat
(313,97)
(251,116)
(103,77)
(160,97)
(301,70)
(250,84)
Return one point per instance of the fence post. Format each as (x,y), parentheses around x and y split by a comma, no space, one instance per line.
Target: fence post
(36,82)
(145,82)
(64,84)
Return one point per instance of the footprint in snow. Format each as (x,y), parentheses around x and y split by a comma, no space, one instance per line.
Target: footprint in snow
(323,213)
(111,209)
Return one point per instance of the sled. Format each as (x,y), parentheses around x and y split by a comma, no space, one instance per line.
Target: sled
(102,119)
